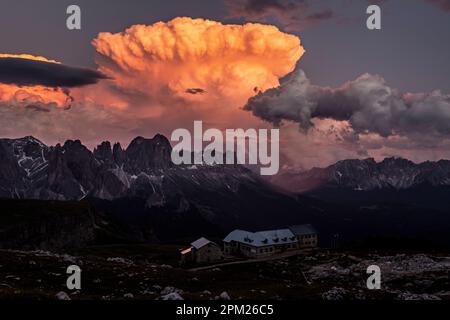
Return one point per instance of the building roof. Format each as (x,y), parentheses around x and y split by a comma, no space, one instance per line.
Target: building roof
(262,238)
(197,244)
(303,229)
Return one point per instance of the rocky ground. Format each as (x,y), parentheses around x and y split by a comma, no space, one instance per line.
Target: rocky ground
(152,272)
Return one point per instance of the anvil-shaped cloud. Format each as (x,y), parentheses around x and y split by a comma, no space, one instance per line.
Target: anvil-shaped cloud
(164,60)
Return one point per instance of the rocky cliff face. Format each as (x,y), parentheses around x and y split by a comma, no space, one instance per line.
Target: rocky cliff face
(30,169)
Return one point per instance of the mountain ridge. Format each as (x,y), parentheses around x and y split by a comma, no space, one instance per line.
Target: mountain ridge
(367,175)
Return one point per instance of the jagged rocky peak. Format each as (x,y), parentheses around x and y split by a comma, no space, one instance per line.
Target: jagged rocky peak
(147,154)
(157,140)
(29,140)
(20,159)
(118,154)
(104,152)
(27,147)
(76,152)
(350,163)
(74,144)
(396,161)
(10,171)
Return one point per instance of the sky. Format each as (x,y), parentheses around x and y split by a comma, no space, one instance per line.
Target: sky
(334,88)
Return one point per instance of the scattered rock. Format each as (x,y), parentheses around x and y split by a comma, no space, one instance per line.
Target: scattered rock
(120,260)
(128,296)
(223,296)
(412,296)
(334,294)
(172,296)
(62,296)
(168,290)
(148,292)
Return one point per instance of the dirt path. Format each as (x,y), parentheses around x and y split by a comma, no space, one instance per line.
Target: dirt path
(249,261)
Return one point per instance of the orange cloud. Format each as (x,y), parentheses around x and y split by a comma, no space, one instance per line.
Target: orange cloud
(33,94)
(227,62)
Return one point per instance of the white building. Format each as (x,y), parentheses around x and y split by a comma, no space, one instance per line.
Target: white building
(259,244)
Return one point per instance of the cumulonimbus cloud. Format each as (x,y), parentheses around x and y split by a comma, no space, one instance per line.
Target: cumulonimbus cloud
(164,60)
(368,104)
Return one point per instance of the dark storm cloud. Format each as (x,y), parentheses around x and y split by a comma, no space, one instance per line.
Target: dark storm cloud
(27,72)
(261,7)
(367,103)
(290,13)
(318,17)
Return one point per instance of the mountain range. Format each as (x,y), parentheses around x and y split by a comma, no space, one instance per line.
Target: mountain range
(136,193)
(140,186)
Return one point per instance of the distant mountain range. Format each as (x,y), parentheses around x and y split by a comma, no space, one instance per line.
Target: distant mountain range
(368,175)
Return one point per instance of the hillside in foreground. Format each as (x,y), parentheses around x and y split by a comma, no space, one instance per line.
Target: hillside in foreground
(151,272)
